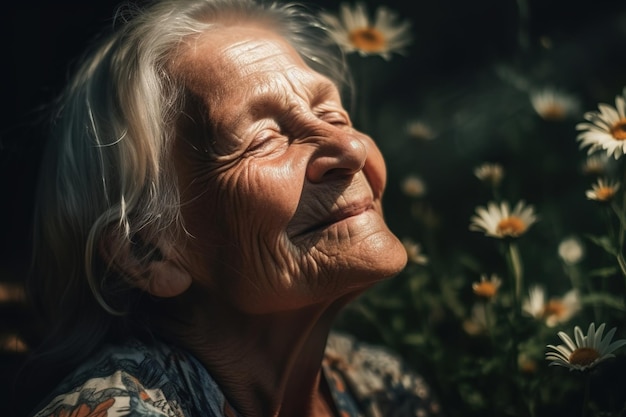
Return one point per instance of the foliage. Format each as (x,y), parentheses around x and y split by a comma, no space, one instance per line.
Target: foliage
(486,356)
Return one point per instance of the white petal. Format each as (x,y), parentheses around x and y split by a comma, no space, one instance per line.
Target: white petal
(619,106)
(568,341)
(562,351)
(591,335)
(580,338)
(615,345)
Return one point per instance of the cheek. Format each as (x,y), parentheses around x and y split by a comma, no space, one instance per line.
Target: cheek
(259,201)
(375,169)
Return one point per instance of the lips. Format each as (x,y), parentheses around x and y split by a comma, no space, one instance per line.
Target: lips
(338,214)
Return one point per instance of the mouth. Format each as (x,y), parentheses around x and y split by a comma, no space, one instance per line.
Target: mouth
(339,215)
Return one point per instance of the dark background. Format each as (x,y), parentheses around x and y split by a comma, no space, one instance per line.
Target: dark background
(42,40)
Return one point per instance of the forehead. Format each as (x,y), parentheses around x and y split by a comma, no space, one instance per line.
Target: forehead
(228,57)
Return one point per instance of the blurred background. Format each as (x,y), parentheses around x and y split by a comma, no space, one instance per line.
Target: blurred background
(460,96)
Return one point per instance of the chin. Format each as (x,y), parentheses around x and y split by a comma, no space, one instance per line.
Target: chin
(390,257)
(399,264)
(381,257)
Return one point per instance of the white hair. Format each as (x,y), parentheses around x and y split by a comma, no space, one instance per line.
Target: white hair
(107,171)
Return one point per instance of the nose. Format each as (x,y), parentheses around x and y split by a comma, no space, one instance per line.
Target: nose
(339,154)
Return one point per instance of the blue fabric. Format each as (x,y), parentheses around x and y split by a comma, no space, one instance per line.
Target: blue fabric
(140,380)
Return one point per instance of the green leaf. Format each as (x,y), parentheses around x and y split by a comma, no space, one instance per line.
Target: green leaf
(603,272)
(604,299)
(415,339)
(604,242)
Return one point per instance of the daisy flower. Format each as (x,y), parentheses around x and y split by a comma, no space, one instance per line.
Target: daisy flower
(414,252)
(553,105)
(420,130)
(596,165)
(554,311)
(499,221)
(571,250)
(526,363)
(490,173)
(603,190)
(477,323)
(605,129)
(413,186)
(487,288)
(354,32)
(535,302)
(561,309)
(585,351)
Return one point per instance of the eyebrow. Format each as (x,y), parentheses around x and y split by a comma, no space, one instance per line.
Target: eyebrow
(322,90)
(259,105)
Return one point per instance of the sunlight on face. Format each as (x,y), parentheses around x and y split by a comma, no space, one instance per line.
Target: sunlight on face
(281,194)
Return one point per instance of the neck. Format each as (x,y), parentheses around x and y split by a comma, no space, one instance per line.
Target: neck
(266,365)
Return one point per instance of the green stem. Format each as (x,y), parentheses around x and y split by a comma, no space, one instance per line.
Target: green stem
(489,322)
(583,285)
(619,212)
(515,267)
(515,264)
(608,218)
(586,388)
(576,279)
(620,217)
(496,193)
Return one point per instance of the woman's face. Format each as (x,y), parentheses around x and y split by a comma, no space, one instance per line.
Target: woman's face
(281,196)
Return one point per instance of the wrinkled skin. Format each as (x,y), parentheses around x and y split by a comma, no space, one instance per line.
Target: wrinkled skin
(282,195)
(282,199)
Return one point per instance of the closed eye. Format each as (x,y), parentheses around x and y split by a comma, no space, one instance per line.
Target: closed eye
(269,135)
(335,118)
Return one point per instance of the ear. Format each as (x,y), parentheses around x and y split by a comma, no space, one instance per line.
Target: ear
(155,269)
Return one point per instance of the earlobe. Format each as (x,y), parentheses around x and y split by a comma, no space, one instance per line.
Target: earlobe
(151,268)
(166,278)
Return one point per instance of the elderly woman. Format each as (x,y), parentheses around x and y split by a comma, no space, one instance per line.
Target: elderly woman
(206,209)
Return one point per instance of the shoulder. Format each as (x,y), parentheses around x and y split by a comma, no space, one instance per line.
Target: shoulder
(132,378)
(379,379)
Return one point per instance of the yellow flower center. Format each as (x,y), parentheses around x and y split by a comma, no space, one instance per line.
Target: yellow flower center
(485,289)
(527,366)
(583,356)
(618,130)
(511,226)
(593,169)
(367,39)
(554,308)
(553,112)
(605,193)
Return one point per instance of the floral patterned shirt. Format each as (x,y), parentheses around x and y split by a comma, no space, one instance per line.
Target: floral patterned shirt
(157,380)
